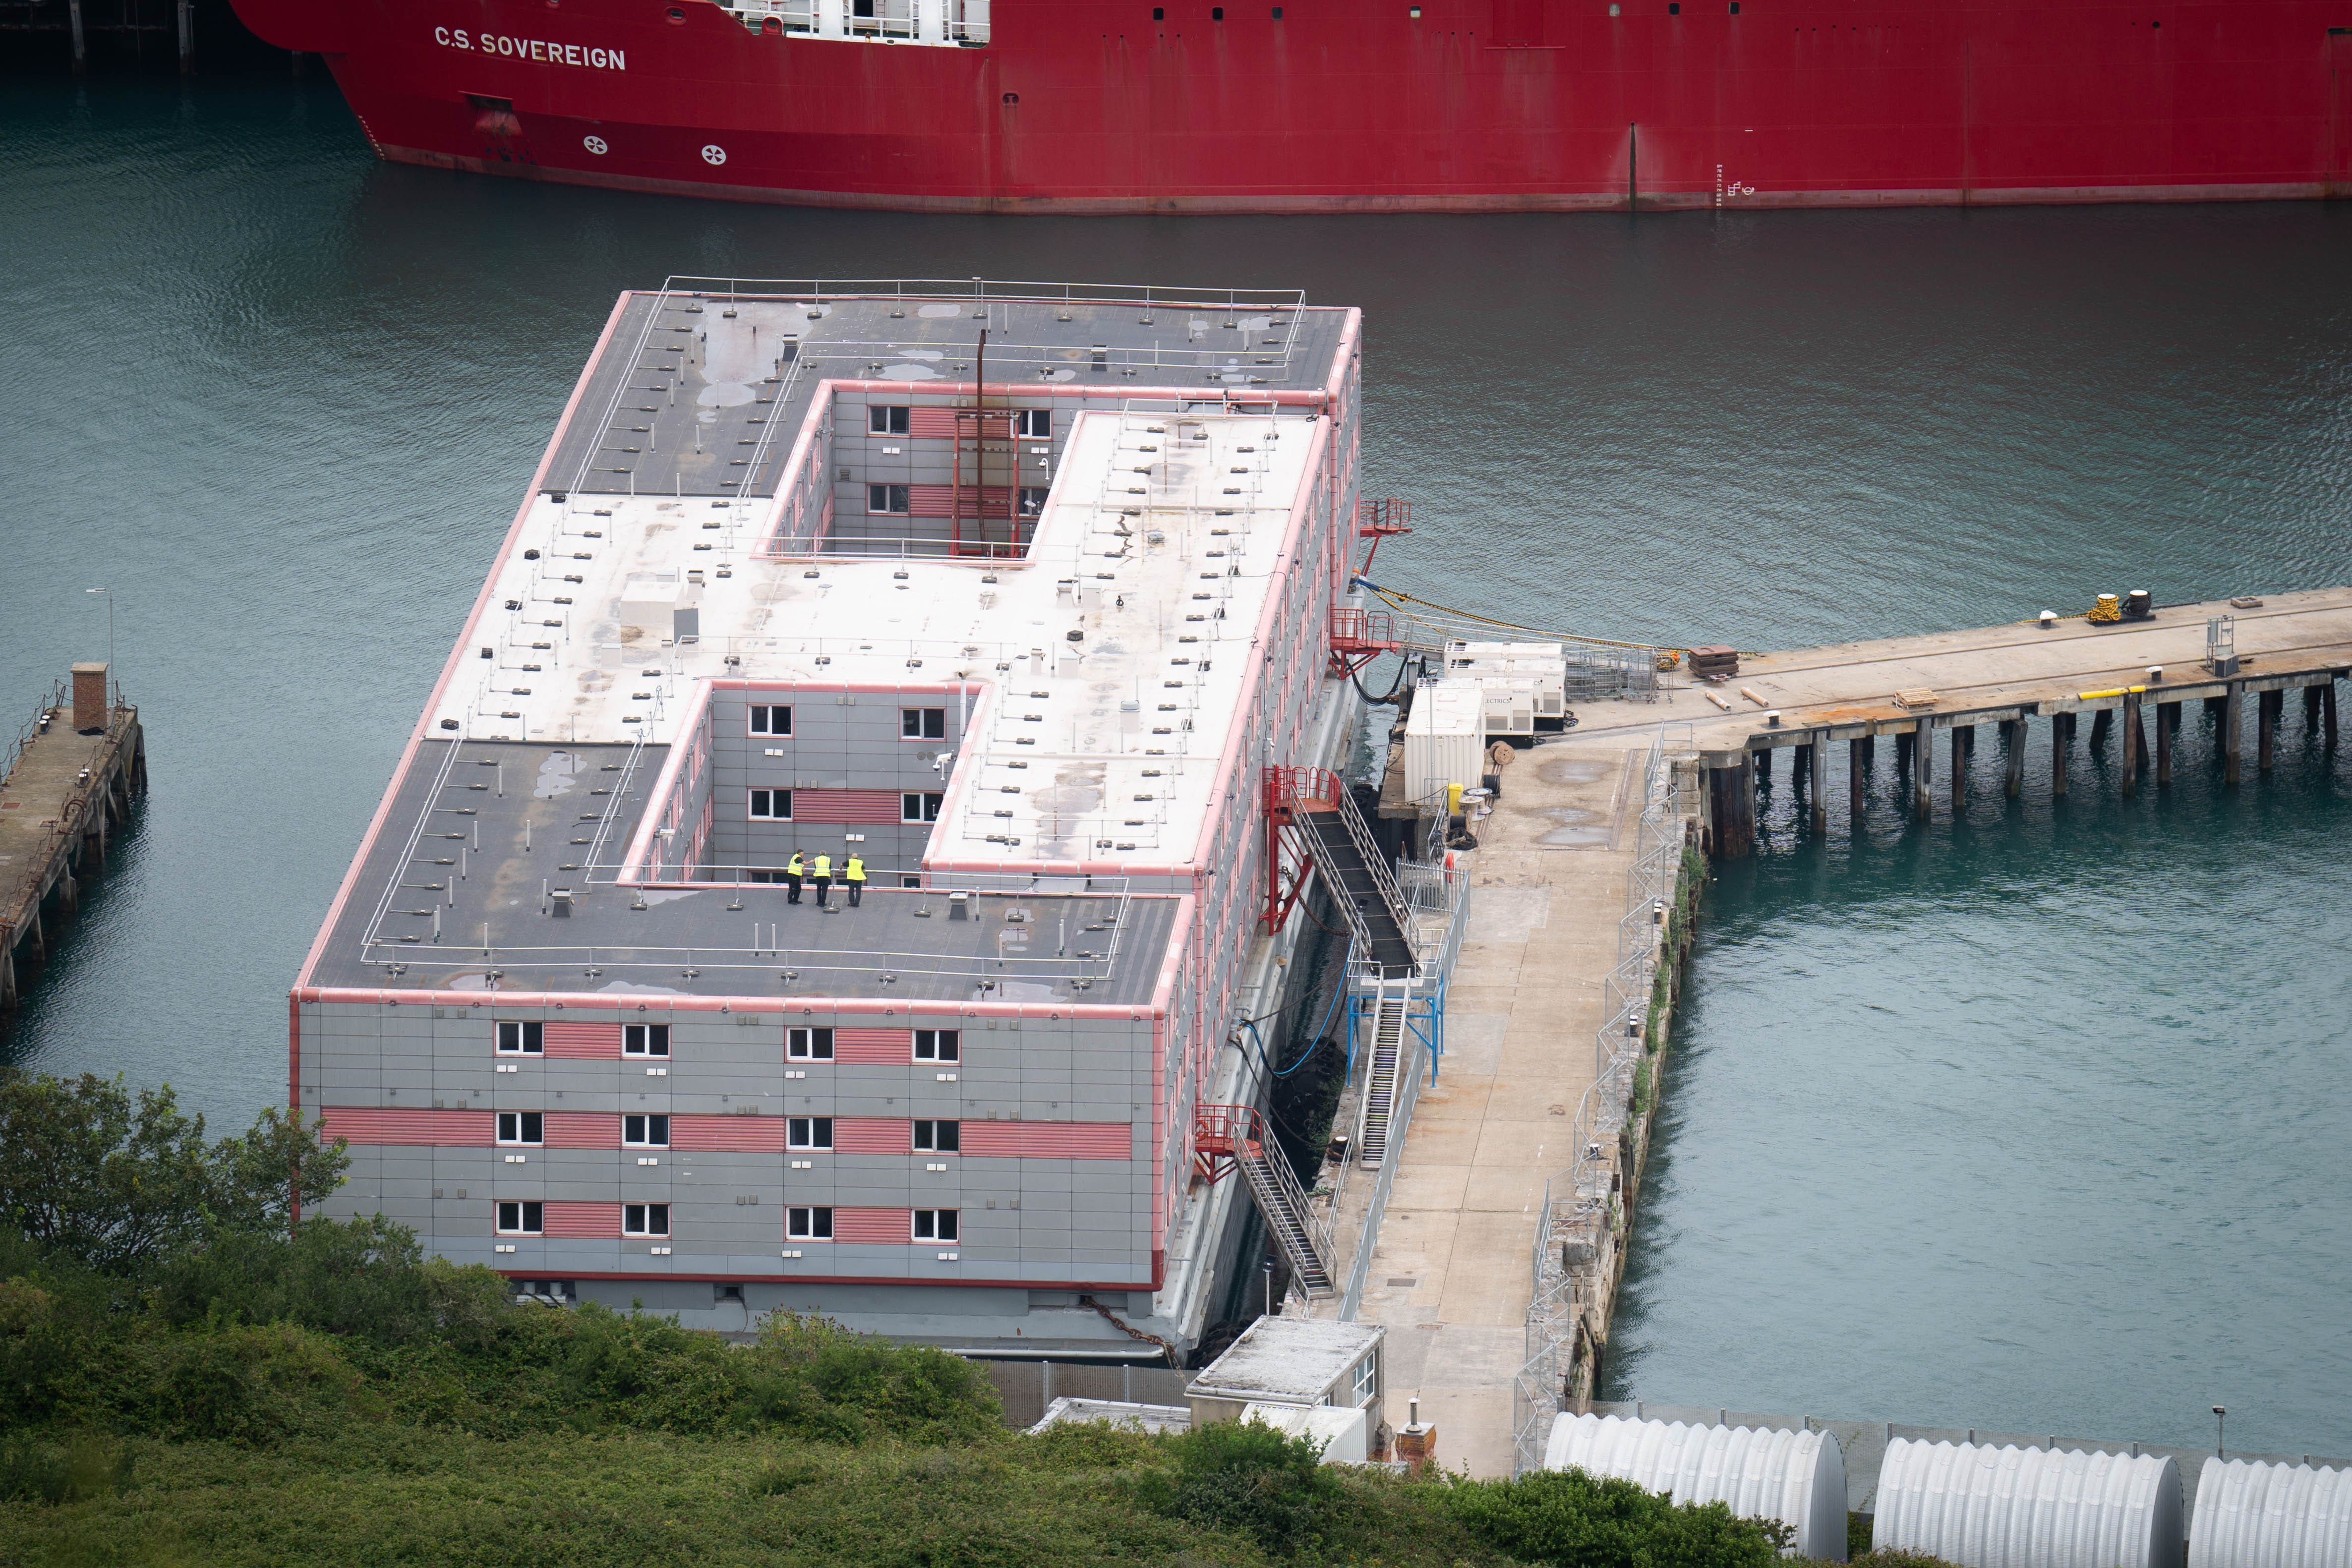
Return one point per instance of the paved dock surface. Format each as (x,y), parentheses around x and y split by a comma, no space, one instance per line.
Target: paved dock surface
(1451,1274)
(57,805)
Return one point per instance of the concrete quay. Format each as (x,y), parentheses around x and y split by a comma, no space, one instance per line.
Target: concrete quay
(1911,688)
(72,775)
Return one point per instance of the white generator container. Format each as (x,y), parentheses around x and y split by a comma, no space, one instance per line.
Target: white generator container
(1444,739)
(2250,1514)
(1795,1478)
(1508,705)
(1984,1507)
(1538,666)
(1339,1430)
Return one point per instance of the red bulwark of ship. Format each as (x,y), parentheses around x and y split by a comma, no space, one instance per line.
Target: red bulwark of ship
(1122,106)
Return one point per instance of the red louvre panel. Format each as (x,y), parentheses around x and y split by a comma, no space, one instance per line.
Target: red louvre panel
(939,424)
(581,1130)
(440,1129)
(1050,1140)
(869,805)
(581,1221)
(939,500)
(873,1047)
(872,1136)
(582,1040)
(727,1135)
(874,1224)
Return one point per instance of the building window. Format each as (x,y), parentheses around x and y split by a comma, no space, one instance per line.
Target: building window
(937,1045)
(935,1225)
(649,1132)
(1159,13)
(938,1137)
(644,1039)
(920,808)
(809,1224)
(772,805)
(1368,1378)
(645,1219)
(1216,13)
(1033,423)
(923,723)
(885,420)
(808,1131)
(1033,500)
(520,1219)
(522,1037)
(768,720)
(521,1127)
(809,1044)
(889,498)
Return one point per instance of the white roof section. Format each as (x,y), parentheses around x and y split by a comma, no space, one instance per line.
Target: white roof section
(1338,1432)
(1984,1507)
(1158,550)
(1795,1478)
(1286,1361)
(1116,1413)
(2250,1514)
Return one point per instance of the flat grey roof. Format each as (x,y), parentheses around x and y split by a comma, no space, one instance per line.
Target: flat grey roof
(1287,1360)
(454,841)
(701,392)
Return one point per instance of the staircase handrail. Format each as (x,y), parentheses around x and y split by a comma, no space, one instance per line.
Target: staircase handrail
(1325,787)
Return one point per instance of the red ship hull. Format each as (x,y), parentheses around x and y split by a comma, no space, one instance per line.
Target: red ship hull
(1087,106)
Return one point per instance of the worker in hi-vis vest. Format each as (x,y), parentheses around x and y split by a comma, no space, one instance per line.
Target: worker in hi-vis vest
(793,875)
(823,878)
(853,874)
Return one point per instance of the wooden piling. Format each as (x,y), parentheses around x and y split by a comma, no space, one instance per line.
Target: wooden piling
(80,44)
(2268,706)
(2100,722)
(2167,723)
(1922,760)
(2134,743)
(2327,715)
(1964,751)
(187,37)
(1904,743)
(1857,761)
(2310,710)
(1762,758)
(2062,736)
(1817,781)
(2013,731)
(2230,726)
(1732,796)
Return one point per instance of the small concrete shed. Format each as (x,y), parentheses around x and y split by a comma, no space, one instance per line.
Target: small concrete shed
(1294,1361)
(2255,1515)
(1984,1507)
(1795,1478)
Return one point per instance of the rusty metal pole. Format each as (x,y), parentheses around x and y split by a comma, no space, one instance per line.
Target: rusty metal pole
(2061,737)
(2232,700)
(2132,744)
(2268,705)
(1817,771)
(1923,757)
(1855,759)
(2168,722)
(2013,732)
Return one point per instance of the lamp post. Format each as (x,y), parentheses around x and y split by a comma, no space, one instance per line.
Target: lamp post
(107,594)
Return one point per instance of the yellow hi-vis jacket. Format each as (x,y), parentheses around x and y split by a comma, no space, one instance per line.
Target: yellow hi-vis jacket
(854,870)
(793,869)
(824,866)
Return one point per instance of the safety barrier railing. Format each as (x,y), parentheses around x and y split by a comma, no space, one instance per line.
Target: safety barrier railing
(50,712)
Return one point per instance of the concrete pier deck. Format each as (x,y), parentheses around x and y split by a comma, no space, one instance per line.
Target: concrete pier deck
(1453,1274)
(69,783)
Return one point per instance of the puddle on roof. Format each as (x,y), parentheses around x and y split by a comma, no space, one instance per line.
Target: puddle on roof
(559,775)
(1568,771)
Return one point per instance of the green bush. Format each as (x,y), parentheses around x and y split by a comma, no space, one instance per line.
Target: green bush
(34,1468)
(1245,1477)
(1571,1517)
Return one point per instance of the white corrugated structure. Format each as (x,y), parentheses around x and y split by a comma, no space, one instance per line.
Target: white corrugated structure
(1444,738)
(1984,1507)
(1796,1478)
(2256,1515)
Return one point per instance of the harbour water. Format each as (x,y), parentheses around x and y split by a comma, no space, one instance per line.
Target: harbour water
(2031,1121)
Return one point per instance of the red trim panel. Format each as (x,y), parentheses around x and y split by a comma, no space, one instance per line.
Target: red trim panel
(873,1047)
(727,1135)
(871,807)
(581,1042)
(581,1130)
(574,1221)
(872,1136)
(436,1129)
(887,1227)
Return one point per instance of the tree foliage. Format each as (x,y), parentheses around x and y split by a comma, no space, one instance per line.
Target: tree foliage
(1571,1517)
(117,1183)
